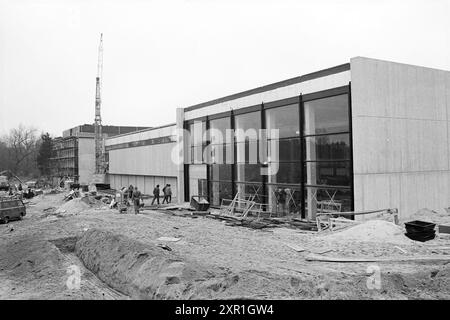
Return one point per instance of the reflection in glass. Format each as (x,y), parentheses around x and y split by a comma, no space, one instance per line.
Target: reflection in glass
(247,126)
(218,130)
(288,150)
(328,173)
(327,115)
(287,173)
(220,172)
(247,152)
(285,119)
(328,147)
(248,172)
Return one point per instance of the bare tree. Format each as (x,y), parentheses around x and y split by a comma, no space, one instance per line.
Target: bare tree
(22,143)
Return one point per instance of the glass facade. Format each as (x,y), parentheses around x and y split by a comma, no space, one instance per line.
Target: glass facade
(306,145)
(326,155)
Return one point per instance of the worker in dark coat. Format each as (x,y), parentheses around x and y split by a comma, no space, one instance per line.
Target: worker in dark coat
(137,198)
(156,194)
(169,193)
(130,192)
(164,190)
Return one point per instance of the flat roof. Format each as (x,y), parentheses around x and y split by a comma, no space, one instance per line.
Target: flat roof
(143,130)
(279,84)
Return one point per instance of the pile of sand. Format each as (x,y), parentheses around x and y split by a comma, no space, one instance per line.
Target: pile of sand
(73,206)
(371,231)
(439,217)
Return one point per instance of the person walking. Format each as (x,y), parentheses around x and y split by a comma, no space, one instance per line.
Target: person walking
(137,198)
(169,193)
(164,190)
(130,193)
(156,194)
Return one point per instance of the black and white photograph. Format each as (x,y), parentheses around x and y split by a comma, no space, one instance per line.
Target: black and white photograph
(235,154)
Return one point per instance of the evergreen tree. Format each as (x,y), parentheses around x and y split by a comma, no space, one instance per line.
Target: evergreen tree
(44,154)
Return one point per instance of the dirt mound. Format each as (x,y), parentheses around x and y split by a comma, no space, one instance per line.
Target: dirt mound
(441,217)
(371,231)
(73,206)
(145,271)
(30,257)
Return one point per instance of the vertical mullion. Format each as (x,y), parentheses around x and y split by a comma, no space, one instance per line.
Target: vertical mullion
(302,157)
(264,178)
(186,165)
(208,157)
(350,123)
(233,148)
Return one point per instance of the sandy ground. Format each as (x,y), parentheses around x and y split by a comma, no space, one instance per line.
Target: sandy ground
(35,260)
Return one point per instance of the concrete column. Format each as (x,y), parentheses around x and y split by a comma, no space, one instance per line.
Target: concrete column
(180,152)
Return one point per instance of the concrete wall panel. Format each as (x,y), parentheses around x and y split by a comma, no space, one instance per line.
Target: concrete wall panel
(140,183)
(399,145)
(148,160)
(400,136)
(86,160)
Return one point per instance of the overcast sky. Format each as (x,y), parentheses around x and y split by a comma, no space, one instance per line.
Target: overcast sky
(160,55)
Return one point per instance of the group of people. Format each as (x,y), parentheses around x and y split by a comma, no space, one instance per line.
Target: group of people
(167,191)
(135,196)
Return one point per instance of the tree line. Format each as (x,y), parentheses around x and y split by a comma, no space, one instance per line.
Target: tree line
(26,152)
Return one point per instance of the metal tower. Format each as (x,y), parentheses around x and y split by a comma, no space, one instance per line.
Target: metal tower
(99,152)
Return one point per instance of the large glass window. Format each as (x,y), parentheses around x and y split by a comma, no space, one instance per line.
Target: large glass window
(197,142)
(284,119)
(247,126)
(321,152)
(221,172)
(284,156)
(328,147)
(218,130)
(221,167)
(327,115)
(221,140)
(246,172)
(327,155)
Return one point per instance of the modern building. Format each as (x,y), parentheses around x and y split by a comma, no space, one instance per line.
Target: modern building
(143,159)
(74,152)
(367,134)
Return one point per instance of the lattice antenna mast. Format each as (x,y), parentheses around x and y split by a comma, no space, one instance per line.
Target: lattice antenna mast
(99,153)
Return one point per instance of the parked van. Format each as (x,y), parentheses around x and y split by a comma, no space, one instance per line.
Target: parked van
(11,209)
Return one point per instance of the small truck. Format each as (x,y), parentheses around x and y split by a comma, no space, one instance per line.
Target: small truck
(11,209)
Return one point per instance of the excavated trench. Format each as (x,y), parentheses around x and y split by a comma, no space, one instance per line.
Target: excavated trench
(90,280)
(146,271)
(116,267)
(143,271)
